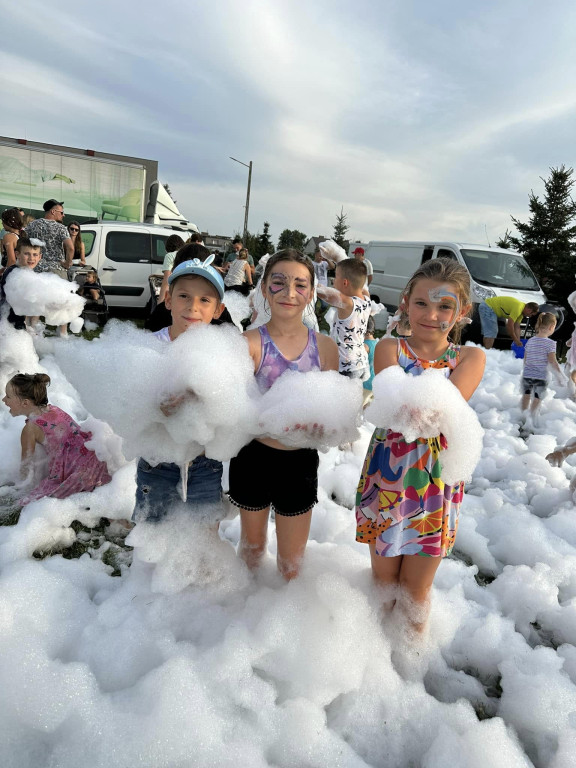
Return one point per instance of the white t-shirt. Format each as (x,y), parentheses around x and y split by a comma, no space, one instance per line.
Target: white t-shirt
(168,262)
(163,334)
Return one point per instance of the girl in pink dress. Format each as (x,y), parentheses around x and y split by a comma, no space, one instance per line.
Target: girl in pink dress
(72,467)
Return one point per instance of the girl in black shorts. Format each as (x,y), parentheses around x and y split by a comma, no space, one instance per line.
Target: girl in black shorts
(267,473)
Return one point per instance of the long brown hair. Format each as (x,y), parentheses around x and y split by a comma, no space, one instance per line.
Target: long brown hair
(442,270)
(77,240)
(31,386)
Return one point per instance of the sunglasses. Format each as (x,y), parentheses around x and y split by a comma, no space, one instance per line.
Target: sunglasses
(74,229)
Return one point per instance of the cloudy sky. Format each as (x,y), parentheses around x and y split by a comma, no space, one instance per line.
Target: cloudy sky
(422,119)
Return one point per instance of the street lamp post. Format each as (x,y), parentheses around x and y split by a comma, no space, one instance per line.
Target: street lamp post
(247,206)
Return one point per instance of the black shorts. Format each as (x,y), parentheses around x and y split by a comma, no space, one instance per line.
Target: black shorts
(261,476)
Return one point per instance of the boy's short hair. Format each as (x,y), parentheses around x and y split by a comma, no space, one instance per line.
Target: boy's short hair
(25,242)
(354,271)
(532,306)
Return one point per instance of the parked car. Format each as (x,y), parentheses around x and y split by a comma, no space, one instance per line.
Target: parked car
(125,254)
(493,271)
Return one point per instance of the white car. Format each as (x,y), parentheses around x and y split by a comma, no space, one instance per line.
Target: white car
(125,255)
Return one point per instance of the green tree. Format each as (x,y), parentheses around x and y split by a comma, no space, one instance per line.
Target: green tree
(340,229)
(292,238)
(265,244)
(547,240)
(505,241)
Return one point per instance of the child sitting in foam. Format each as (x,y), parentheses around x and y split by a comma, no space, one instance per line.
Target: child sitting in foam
(73,468)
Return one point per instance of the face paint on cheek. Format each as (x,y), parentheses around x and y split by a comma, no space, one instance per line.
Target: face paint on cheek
(443,293)
(303,290)
(274,289)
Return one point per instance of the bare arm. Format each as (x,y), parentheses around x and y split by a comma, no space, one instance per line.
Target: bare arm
(82,253)
(335,298)
(164,286)
(513,331)
(68,252)
(328,352)
(554,363)
(9,241)
(385,354)
(468,374)
(249,271)
(28,440)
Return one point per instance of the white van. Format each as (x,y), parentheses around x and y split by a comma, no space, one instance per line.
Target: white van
(493,271)
(125,255)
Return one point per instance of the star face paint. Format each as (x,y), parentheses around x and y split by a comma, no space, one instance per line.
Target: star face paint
(444,294)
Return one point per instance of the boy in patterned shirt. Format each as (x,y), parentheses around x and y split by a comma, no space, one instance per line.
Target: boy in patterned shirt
(353,312)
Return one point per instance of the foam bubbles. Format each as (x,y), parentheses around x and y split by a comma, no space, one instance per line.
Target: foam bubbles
(427,406)
(45,295)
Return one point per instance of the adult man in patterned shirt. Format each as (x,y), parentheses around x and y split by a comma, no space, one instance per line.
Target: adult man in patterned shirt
(59,251)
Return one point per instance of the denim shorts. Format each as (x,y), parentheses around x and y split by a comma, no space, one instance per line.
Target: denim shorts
(158,488)
(488,321)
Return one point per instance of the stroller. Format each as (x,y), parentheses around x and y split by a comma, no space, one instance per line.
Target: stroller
(95,310)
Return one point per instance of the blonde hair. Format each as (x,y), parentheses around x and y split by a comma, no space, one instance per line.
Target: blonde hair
(441,270)
(546,321)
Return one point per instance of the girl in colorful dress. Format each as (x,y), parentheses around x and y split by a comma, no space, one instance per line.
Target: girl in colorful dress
(404,511)
(266,472)
(72,467)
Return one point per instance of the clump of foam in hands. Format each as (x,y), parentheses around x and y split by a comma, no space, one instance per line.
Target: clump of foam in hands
(43,295)
(428,406)
(317,409)
(204,376)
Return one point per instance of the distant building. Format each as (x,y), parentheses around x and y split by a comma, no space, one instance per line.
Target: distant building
(220,243)
(312,244)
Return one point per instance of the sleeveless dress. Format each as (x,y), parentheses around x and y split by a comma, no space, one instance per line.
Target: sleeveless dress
(402,503)
(72,467)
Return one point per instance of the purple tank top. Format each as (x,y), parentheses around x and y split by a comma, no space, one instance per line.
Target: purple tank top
(273,363)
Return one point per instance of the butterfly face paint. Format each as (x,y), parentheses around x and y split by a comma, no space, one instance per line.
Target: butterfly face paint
(444,295)
(279,282)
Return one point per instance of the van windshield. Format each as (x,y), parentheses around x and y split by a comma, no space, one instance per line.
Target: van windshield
(502,269)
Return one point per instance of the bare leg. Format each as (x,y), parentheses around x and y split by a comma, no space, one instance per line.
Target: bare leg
(416,577)
(254,529)
(292,536)
(386,574)
(488,342)
(525,402)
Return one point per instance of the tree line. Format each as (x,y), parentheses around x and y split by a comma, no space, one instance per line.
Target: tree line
(259,244)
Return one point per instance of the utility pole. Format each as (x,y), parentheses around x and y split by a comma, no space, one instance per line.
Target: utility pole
(247,206)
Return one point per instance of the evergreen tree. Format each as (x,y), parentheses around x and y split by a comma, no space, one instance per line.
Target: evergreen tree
(547,240)
(292,238)
(340,229)
(265,244)
(505,241)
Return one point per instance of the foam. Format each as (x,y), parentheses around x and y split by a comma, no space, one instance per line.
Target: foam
(45,295)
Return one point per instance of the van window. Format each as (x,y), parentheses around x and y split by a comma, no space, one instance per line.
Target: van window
(88,236)
(158,248)
(131,247)
(502,269)
(446,253)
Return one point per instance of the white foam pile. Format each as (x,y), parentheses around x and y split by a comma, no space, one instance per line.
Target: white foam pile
(187,660)
(238,306)
(428,406)
(318,409)
(45,295)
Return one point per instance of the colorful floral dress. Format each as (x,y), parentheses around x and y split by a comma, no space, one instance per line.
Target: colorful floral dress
(402,503)
(72,467)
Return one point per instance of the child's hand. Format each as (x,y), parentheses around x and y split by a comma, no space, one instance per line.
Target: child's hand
(171,404)
(314,431)
(424,421)
(556,458)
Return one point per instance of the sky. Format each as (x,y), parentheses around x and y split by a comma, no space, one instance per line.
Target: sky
(419,120)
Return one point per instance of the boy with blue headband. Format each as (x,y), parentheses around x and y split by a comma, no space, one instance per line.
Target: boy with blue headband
(195,294)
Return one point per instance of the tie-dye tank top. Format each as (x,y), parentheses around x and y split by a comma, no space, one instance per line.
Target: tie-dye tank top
(273,363)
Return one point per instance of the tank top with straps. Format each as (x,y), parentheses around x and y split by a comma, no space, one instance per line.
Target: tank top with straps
(273,363)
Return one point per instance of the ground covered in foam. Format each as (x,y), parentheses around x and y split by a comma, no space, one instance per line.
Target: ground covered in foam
(184,659)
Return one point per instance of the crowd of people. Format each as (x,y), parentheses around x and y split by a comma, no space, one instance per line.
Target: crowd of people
(406,513)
